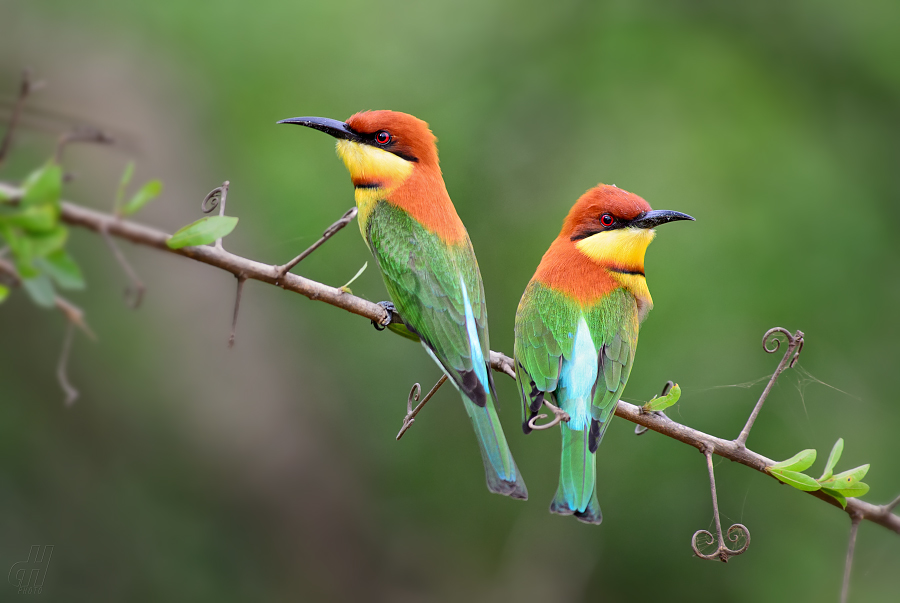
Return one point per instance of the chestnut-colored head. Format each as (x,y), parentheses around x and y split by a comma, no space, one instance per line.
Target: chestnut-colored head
(614,227)
(392,157)
(602,208)
(402,134)
(602,244)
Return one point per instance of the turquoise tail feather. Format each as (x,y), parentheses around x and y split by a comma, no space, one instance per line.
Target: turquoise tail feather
(500,469)
(577,494)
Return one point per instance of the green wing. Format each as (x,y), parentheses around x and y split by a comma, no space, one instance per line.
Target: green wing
(546,323)
(614,326)
(424,277)
(545,327)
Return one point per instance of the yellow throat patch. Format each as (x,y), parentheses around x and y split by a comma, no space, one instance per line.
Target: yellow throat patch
(621,250)
(380,170)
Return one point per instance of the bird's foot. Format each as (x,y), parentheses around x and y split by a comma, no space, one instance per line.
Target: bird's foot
(390,309)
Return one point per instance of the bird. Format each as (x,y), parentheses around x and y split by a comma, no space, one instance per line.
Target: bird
(576,330)
(427,262)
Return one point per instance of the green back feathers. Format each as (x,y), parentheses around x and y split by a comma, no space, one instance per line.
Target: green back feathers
(424,277)
(546,323)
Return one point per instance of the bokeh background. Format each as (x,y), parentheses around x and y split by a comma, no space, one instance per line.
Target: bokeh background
(190,472)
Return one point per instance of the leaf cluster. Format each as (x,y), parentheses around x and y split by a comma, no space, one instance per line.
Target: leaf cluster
(30,227)
(840,487)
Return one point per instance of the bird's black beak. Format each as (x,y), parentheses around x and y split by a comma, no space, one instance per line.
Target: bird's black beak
(652,219)
(336,128)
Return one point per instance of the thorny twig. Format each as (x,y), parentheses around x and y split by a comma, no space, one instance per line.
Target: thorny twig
(854,527)
(73,313)
(411,413)
(795,345)
(87,134)
(282,270)
(855,519)
(890,506)
(141,234)
(25,88)
(74,317)
(61,368)
(134,293)
(241,279)
(722,551)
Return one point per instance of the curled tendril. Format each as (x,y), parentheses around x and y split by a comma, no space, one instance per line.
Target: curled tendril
(734,533)
(414,394)
(559,416)
(722,552)
(771,343)
(710,539)
(771,337)
(411,412)
(211,200)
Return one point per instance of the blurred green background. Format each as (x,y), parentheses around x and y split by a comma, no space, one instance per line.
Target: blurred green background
(190,472)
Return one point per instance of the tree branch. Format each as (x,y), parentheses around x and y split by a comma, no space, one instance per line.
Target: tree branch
(241,267)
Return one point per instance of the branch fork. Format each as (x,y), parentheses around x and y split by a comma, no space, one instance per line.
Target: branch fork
(795,345)
(281,271)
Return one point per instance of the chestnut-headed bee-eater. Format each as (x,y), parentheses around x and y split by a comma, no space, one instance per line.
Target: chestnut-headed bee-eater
(577,329)
(427,262)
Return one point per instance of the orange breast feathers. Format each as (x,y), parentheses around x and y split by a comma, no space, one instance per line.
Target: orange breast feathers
(425,197)
(566,269)
(587,261)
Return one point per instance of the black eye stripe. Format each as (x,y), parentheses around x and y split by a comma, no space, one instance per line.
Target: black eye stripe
(604,223)
(389,145)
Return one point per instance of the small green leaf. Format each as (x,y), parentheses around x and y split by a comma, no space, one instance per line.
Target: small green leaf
(203,231)
(147,193)
(22,249)
(798,480)
(46,243)
(663,402)
(44,185)
(801,461)
(123,183)
(40,289)
(36,218)
(60,266)
(856,490)
(848,478)
(837,496)
(4,293)
(833,458)
(346,288)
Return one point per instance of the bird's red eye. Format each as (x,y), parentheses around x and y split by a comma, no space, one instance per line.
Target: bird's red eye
(382,137)
(607,220)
